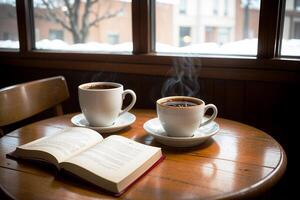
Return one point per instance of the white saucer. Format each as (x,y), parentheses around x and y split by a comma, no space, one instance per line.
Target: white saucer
(123,121)
(154,128)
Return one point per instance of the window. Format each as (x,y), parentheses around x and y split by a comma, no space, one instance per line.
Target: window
(210,34)
(8,25)
(215,7)
(219,34)
(204,29)
(185,36)
(297,5)
(56,34)
(297,30)
(225,7)
(224,35)
(7,36)
(83,25)
(188,28)
(183,7)
(290,45)
(113,38)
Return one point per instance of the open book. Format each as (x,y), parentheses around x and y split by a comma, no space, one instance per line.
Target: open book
(113,163)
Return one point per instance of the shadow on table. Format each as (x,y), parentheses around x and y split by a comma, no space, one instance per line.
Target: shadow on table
(149,140)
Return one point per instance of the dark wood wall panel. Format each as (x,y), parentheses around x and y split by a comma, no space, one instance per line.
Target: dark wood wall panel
(220,95)
(234,100)
(207,90)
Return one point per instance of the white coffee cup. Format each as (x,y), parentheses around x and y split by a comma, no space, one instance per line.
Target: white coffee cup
(101,102)
(181,116)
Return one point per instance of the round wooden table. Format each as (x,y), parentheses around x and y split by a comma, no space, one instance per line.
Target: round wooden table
(239,161)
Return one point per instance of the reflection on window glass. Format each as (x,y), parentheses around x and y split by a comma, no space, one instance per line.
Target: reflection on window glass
(209,27)
(291,32)
(8,25)
(83,25)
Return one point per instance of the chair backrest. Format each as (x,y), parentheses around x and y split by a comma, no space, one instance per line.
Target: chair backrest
(22,101)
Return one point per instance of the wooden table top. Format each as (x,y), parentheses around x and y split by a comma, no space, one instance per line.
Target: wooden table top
(239,161)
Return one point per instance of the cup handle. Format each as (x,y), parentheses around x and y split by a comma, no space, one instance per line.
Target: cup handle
(213,116)
(132,93)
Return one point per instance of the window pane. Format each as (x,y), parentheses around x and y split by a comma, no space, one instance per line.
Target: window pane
(9,37)
(291,32)
(83,25)
(208,27)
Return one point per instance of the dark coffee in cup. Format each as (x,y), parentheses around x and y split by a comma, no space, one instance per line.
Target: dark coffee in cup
(179,103)
(100,87)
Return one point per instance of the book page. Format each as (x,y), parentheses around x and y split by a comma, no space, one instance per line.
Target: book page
(65,143)
(115,158)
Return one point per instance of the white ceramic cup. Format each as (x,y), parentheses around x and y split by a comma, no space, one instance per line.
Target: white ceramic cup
(180,120)
(101,102)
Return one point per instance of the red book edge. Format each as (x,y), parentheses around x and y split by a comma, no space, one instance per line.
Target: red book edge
(140,177)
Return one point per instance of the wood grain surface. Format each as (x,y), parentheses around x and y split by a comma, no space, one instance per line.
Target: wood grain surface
(238,162)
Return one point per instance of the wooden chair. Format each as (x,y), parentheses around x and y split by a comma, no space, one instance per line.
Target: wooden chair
(22,101)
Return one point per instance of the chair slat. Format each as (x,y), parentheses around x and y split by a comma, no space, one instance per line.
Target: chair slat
(21,101)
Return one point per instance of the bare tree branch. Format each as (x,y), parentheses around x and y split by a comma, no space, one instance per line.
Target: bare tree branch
(53,15)
(71,14)
(67,4)
(85,18)
(76,6)
(95,1)
(72,20)
(107,15)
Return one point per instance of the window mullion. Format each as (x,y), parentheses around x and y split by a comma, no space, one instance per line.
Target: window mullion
(268,28)
(152,25)
(25,26)
(141,26)
(280,27)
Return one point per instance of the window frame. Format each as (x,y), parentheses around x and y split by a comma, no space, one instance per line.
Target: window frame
(267,65)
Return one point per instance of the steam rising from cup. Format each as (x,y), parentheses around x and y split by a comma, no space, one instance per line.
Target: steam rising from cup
(183,80)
